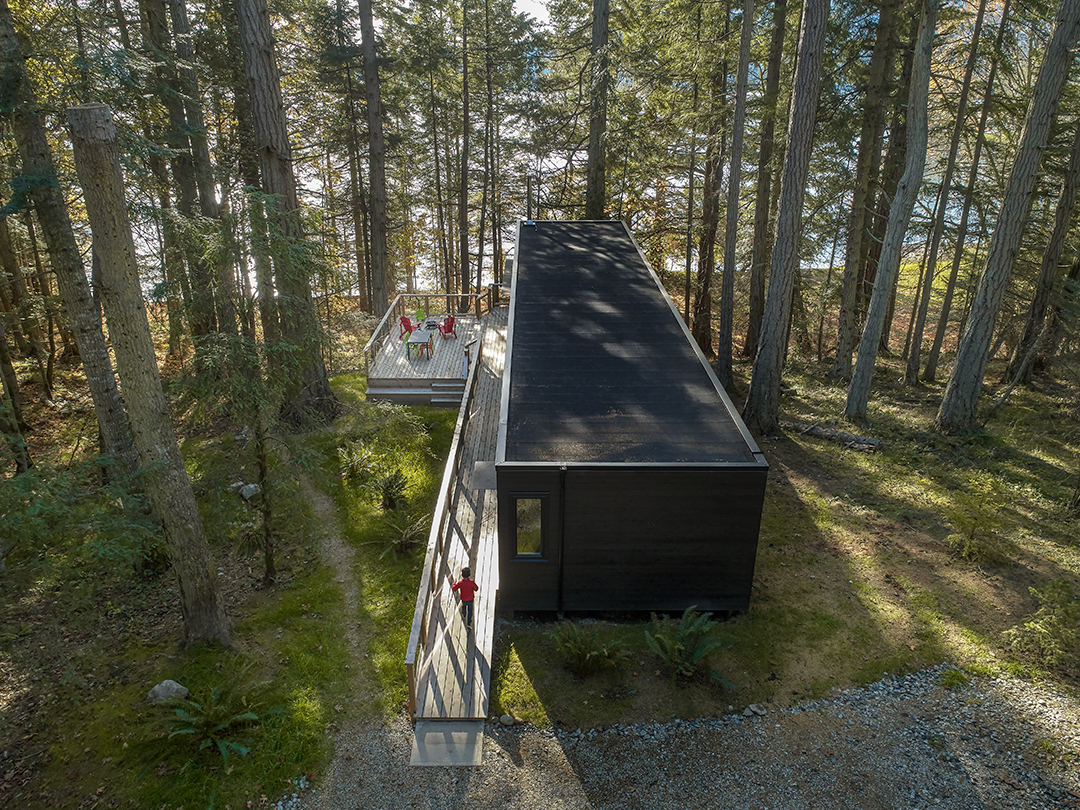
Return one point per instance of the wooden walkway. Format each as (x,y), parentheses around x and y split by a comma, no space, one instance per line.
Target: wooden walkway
(454,678)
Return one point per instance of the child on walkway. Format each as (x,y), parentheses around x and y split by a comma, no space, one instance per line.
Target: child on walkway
(468,590)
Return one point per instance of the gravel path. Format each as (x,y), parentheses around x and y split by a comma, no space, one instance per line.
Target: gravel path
(900,743)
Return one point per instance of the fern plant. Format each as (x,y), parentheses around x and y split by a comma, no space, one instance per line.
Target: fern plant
(405,531)
(212,721)
(684,646)
(585,652)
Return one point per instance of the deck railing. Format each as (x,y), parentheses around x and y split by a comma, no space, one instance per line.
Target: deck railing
(426,303)
(440,525)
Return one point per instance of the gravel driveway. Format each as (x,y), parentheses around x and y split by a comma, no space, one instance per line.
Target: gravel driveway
(900,743)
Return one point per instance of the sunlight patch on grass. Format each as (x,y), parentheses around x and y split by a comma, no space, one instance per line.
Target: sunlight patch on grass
(513,692)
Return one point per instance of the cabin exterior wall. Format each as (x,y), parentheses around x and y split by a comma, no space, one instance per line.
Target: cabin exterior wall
(633,538)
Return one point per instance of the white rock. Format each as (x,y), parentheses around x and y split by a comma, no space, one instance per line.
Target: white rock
(167,690)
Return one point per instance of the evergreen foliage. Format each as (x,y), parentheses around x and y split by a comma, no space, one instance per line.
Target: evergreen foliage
(684,645)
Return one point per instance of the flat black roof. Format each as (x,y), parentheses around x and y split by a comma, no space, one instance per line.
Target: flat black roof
(601,368)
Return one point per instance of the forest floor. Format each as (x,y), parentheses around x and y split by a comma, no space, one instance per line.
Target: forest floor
(870,566)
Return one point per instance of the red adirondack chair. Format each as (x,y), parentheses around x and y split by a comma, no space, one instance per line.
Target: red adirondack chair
(406,327)
(448,327)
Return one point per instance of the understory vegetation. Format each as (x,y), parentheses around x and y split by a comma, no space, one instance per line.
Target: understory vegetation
(933,549)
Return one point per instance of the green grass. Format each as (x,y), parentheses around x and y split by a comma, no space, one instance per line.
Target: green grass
(120,743)
(387,583)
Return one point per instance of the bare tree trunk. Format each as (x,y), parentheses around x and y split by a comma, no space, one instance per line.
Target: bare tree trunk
(731,231)
(356,197)
(98,164)
(899,215)
(930,372)
(958,407)
(220,269)
(463,180)
(911,375)
(762,409)
(308,395)
(691,176)
(11,423)
(202,316)
(701,327)
(759,260)
(1021,365)
(380,264)
(596,169)
(855,252)
(10,381)
(64,253)
(23,298)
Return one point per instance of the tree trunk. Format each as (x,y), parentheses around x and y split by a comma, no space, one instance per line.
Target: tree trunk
(701,328)
(221,270)
(596,168)
(380,264)
(308,396)
(762,409)
(957,411)
(691,176)
(24,299)
(731,231)
(10,382)
(911,375)
(202,316)
(930,372)
(11,424)
(903,204)
(97,162)
(1020,367)
(356,198)
(874,109)
(759,259)
(463,179)
(64,253)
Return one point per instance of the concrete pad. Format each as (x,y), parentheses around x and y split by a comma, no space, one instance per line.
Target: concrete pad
(483,475)
(448,743)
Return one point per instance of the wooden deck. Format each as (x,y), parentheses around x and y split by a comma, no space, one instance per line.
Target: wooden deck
(439,380)
(454,677)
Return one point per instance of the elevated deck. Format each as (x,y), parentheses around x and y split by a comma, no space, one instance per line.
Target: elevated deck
(449,666)
(439,379)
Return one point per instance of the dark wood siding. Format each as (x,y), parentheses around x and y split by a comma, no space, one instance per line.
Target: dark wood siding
(529,584)
(660,539)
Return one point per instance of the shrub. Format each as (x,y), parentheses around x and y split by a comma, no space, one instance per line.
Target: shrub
(683,646)
(976,519)
(405,531)
(210,722)
(585,652)
(377,472)
(1049,636)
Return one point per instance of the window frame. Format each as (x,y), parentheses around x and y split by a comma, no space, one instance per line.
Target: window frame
(539,554)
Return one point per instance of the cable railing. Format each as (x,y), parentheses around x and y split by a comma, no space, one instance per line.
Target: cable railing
(424,306)
(440,528)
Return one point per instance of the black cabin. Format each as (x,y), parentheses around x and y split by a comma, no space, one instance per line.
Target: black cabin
(626,479)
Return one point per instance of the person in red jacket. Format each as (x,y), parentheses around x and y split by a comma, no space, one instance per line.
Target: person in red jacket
(468,589)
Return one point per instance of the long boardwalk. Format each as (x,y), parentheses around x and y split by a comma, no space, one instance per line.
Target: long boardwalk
(454,680)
